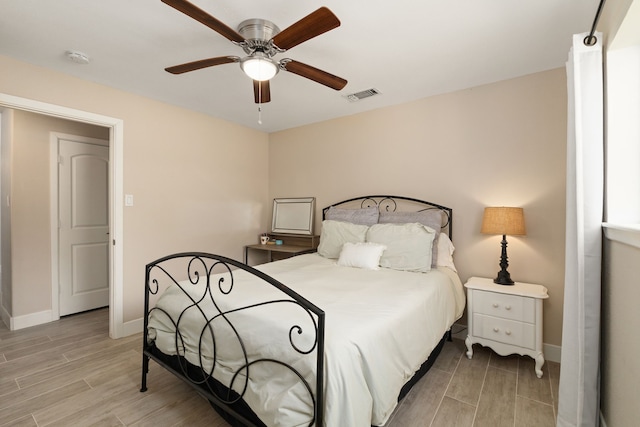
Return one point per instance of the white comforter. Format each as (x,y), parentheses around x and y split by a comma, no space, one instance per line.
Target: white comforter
(380,327)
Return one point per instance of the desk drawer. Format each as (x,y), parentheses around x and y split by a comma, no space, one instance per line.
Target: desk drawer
(512,307)
(505,331)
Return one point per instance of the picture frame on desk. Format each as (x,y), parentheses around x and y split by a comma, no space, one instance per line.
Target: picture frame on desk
(293,215)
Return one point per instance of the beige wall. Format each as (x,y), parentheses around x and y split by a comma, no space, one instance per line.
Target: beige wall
(30,206)
(620,325)
(611,18)
(199,183)
(499,144)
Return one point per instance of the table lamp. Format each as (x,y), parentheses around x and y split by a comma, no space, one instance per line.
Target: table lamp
(503,220)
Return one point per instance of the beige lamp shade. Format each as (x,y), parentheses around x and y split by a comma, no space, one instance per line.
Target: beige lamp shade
(503,220)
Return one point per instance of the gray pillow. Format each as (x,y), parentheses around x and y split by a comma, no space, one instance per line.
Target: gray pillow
(432,218)
(364,216)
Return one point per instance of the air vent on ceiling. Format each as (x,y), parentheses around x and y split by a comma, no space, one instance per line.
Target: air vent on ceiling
(362,95)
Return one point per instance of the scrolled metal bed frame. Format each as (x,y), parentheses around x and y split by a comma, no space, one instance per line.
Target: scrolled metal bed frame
(201,267)
(196,268)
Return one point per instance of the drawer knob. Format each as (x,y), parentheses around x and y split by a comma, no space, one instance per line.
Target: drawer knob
(508,307)
(508,332)
(496,329)
(495,305)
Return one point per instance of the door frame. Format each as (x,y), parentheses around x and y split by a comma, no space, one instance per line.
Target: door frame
(54,194)
(116,195)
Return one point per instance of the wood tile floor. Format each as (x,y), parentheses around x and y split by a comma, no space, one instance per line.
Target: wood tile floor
(69,373)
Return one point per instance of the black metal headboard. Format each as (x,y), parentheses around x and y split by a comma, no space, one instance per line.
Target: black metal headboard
(397,203)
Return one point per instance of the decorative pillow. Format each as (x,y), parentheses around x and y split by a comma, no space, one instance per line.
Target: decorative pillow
(336,233)
(361,255)
(432,218)
(445,252)
(408,245)
(364,216)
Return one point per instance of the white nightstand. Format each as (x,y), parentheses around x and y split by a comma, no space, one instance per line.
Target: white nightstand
(507,319)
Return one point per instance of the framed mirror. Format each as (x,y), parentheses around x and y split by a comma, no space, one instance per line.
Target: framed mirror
(293,215)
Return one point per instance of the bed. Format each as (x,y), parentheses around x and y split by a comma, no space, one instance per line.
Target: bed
(330,338)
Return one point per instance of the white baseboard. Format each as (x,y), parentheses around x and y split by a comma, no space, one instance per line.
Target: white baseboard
(552,352)
(31,319)
(132,327)
(35,319)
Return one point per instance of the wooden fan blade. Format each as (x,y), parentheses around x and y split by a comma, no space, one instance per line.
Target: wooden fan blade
(312,25)
(203,17)
(261,91)
(312,73)
(203,63)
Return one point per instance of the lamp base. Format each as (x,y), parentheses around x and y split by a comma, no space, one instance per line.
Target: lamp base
(504,278)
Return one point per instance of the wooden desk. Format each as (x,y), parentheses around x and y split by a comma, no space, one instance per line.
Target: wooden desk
(293,244)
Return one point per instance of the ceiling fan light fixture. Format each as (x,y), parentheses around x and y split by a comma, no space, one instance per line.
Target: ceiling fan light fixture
(259,67)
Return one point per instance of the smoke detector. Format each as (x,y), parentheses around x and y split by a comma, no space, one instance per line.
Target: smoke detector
(77,57)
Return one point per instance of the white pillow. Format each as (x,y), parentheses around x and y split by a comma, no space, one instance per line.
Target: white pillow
(445,252)
(408,245)
(361,255)
(336,233)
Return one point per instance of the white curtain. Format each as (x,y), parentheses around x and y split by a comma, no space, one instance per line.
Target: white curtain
(579,377)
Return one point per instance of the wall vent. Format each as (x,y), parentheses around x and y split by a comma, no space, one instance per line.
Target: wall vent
(354,97)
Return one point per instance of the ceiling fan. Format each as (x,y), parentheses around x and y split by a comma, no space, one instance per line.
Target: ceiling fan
(261,40)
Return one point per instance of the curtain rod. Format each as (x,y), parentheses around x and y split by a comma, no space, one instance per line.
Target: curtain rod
(590,40)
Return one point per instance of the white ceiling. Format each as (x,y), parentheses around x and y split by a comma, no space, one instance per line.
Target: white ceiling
(406,49)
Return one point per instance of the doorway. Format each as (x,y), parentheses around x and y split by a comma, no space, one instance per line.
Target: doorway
(116,195)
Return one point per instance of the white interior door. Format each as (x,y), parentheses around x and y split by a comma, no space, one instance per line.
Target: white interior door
(83,201)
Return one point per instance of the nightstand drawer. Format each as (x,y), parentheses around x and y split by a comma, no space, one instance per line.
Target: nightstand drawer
(506,306)
(506,331)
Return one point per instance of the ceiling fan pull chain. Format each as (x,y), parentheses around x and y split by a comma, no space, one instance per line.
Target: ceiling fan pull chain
(259,102)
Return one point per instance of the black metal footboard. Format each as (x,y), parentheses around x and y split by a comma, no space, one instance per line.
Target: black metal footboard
(204,284)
